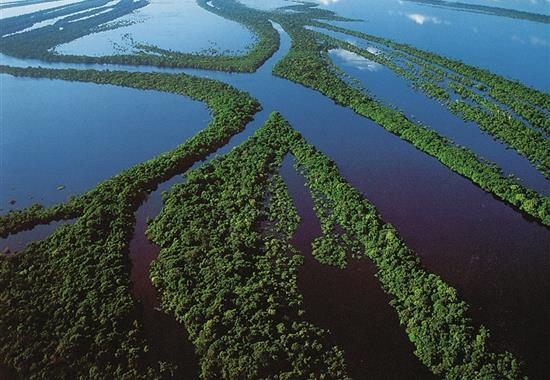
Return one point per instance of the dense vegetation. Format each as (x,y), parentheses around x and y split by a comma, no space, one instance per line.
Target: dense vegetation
(485,99)
(333,245)
(227,270)
(433,316)
(267,43)
(21,22)
(307,64)
(232,111)
(67,309)
(527,102)
(232,285)
(478,8)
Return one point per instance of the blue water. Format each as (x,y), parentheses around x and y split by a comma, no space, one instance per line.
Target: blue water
(391,89)
(536,6)
(265,4)
(57,133)
(17,242)
(517,49)
(179,25)
(496,259)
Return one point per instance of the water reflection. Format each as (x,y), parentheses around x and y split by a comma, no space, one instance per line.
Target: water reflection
(18,242)
(76,134)
(105,8)
(179,25)
(475,38)
(167,339)
(373,50)
(349,302)
(265,4)
(327,2)
(476,243)
(532,40)
(20,10)
(394,90)
(354,60)
(421,19)
(536,6)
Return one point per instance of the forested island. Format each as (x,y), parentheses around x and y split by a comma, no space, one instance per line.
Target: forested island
(227,270)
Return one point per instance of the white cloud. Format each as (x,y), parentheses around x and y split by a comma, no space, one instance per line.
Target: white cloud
(533,40)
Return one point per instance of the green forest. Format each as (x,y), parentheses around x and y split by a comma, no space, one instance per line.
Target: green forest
(228,269)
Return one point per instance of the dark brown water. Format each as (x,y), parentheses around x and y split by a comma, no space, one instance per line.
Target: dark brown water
(350,303)
(167,339)
(498,261)
(6,373)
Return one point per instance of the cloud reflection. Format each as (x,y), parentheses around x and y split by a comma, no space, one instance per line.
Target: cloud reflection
(355,60)
(533,40)
(421,19)
(538,41)
(373,50)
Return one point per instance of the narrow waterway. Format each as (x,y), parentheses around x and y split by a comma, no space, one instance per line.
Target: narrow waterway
(349,302)
(167,339)
(393,90)
(516,49)
(17,242)
(497,259)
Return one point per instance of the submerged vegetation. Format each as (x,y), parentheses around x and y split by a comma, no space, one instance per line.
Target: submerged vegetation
(227,270)
(39,43)
(232,110)
(267,43)
(33,35)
